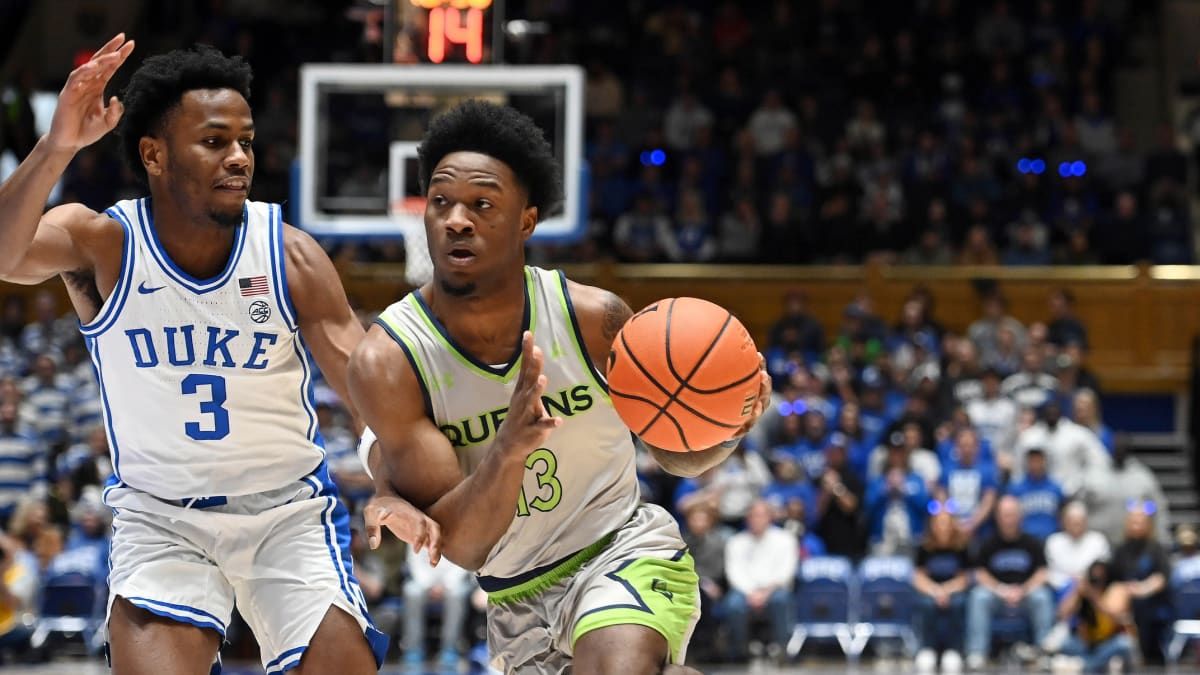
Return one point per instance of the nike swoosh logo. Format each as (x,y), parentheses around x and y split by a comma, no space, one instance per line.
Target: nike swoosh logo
(146,291)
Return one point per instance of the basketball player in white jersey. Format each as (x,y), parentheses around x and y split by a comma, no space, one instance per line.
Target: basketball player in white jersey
(198,306)
(485,388)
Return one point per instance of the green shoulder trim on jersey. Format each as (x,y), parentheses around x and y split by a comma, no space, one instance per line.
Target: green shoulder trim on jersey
(664,596)
(391,325)
(531,587)
(439,333)
(531,287)
(568,309)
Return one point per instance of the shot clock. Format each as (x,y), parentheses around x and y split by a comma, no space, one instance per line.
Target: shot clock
(444,31)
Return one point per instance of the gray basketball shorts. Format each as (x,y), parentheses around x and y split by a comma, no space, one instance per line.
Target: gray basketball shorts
(641,574)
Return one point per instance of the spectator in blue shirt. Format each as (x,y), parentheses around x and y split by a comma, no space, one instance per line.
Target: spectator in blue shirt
(947,448)
(1040,497)
(875,413)
(857,443)
(12,321)
(49,393)
(896,503)
(22,462)
(85,555)
(787,438)
(790,485)
(969,484)
(810,449)
(50,330)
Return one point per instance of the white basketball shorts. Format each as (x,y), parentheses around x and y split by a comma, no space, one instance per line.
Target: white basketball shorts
(282,556)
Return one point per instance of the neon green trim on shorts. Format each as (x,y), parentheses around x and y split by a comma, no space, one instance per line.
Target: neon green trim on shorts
(528,589)
(664,596)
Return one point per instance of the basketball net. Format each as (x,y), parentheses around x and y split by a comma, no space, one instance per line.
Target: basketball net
(409,216)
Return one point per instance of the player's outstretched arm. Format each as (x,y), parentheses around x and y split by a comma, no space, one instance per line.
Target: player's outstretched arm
(601,315)
(323,314)
(414,460)
(37,247)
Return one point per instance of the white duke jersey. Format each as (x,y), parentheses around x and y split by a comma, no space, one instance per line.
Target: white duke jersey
(578,488)
(206,387)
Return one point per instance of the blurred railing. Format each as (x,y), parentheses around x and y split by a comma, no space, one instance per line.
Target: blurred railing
(1140,320)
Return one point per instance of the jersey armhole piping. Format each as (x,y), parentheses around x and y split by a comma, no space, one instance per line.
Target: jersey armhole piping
(577,334)
(283,295)
(412,360)
(111,308)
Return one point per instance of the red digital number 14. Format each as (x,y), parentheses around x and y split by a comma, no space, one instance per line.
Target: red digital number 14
(446,25)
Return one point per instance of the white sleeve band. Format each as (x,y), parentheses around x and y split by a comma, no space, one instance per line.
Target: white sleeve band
(364,449)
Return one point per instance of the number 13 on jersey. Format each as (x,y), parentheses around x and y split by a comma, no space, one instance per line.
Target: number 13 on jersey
(544,465)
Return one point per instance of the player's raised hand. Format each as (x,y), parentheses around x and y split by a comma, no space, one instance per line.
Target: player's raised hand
(82,117)
(526,426)
(406,521)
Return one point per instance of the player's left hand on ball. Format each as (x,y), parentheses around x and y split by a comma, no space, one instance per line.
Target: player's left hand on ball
(764,398)
(406,521)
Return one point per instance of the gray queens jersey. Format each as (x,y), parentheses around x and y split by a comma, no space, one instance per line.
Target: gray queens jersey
(583,484)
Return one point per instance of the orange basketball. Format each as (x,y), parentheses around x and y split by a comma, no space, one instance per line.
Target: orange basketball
(683,374)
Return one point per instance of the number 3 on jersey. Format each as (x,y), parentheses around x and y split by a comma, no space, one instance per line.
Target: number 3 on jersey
(543,462)
(215,406)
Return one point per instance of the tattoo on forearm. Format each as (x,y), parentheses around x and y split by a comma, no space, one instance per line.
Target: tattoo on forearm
(616,313)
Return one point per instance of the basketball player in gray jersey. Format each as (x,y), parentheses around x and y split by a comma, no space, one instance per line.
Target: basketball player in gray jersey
(198,306)
(485,388)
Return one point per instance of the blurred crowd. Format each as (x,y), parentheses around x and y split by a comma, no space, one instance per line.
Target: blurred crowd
(934,132)
(921,132)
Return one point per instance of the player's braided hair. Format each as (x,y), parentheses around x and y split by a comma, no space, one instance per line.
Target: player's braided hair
(500,132)
(159,84)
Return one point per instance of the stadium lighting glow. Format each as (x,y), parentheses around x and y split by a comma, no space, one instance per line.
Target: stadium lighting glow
(655,157)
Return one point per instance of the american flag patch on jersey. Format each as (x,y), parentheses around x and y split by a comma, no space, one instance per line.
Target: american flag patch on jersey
(253,285)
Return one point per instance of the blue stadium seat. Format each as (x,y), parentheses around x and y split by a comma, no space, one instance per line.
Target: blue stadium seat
(824,601)
(885,600)
(1185,598)
(70,606)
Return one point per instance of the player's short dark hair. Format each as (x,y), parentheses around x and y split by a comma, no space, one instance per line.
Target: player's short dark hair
(500,132)
(158,85)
